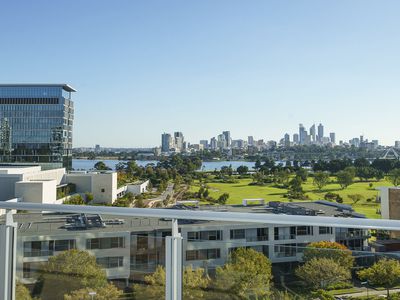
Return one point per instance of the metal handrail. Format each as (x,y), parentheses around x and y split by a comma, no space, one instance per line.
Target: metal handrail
(210,215)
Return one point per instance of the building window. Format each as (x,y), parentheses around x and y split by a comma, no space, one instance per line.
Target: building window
(46,248)
(110,262)
(238,234)
(193,236)
(285,250)
(211,235)
(325,230)
(103,190)
(203,254)
(105,243)
(32,269)
(304,230)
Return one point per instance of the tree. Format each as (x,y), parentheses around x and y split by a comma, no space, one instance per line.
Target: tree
(303,174)
(139,203)
(247,275)
(101,166)
(295,189)
(386,272)
(332,250)
(223,198)
(356,198)
(319,273)
(74,200)
(344,178)
(194,283)
(321,179)
(69,271)
(394,177)
(21,292)
(107,292)
(365,173)
(281,177)
(88,197)
(242,170)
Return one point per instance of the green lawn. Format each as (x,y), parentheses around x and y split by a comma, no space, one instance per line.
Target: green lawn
(242,189)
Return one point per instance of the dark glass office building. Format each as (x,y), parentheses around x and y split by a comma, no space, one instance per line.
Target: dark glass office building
(36,124)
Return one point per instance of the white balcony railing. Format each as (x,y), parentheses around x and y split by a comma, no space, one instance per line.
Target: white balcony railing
(173,243)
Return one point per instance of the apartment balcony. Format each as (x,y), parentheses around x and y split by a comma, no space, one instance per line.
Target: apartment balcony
(147,241)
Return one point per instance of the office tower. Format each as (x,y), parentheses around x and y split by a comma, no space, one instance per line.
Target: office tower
(221,142)
(178,141)
(302,135)
(296,138)
(332,136)
(5,140)
(250,140)
(313,133)
(166,142)
(39,121)
(397,144)
(204,143)
(97,149)
(228,140)
(287,140)
(213,143)
(320,132)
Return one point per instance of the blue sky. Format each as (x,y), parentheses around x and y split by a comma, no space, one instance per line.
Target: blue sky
(253,67)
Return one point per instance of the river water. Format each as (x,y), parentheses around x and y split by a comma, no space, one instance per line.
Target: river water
(86,164)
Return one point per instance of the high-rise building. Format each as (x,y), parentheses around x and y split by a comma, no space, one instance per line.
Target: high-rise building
(228,139)
(320,132)
(221,141)
(204,143)
(287,140)
(250,140)
(40,119)
(296,138)
(166,141)
(397,144)
(313,133)
(302,134)
(178,141)
(332,136)
(213,143)
(97,149)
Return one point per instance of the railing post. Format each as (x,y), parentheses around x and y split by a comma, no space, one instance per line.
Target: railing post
(8,238)
(173,264)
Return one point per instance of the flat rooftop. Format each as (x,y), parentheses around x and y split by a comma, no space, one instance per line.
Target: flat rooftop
(64,86)
(32,224)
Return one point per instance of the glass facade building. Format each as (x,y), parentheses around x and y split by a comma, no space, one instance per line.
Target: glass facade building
(36,124)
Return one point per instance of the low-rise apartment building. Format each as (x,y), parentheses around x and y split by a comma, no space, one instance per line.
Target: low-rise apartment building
(130,248)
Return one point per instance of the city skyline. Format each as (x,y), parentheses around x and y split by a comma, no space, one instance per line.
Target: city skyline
(255,69)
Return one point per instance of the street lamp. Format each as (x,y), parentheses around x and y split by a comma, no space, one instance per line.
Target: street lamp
(366,284)
(92,294)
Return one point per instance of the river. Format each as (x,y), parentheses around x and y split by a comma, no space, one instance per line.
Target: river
(86,164)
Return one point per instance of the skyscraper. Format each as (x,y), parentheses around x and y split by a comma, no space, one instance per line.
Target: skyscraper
(228,140)
(287,140)
(178,141)
(320,132)
(295,138)
(250,140)
(332,136)
(166,141)
(213,143)
(302,134)
(40,119)
(312,133)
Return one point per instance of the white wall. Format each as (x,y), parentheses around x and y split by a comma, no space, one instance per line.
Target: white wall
(103,186)
(384,194)
(37,191)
